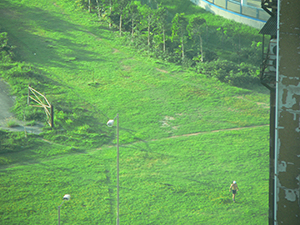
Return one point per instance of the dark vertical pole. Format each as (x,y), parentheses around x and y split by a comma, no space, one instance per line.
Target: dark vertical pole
(59,212)
(241,8)
(59,215)
(52,115)
(118,221)
(263,50)
(272,155)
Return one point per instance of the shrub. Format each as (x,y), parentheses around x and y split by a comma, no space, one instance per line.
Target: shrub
(6,50)
(15,141)
(229,72)
(12,123)
(250,54)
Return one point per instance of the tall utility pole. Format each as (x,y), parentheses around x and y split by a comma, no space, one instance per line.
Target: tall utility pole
(287,119)
(268,79)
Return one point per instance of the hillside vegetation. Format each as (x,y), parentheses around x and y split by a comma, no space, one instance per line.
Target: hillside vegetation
(182,33)
(184,135)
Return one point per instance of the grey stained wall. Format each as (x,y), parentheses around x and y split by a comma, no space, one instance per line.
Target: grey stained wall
(287,128)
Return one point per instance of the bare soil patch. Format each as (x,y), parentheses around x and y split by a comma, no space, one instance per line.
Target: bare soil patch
(7,118)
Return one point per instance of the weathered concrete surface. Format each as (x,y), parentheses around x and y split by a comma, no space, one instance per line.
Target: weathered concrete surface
(287,150)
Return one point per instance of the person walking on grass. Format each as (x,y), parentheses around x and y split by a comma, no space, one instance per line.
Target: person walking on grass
(234,188)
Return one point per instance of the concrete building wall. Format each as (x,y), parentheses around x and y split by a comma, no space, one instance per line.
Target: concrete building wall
(251,16)
(287,127)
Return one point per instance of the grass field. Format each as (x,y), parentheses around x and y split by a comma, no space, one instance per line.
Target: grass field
(167,174)
(183,180)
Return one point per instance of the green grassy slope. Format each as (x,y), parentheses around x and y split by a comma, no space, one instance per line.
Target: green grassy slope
(171,181)
(90,76)
(94,68)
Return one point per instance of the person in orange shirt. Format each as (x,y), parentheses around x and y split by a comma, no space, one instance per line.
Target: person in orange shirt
(234,188)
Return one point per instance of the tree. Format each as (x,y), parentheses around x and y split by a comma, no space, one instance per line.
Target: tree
(161,25)
(179,24)
(104,10)
(194,29)
(118,7)
(98,9)
(133,14)
(147,21)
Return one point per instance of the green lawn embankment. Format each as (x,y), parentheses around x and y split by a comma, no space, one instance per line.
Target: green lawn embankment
(90,75)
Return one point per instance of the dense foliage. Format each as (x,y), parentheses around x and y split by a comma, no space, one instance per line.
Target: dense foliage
(6,50)
(193,41)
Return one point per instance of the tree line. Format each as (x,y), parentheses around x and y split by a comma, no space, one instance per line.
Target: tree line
(178,38)
(149,25)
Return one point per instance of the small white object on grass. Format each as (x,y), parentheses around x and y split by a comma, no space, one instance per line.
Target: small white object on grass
(110,123)
(67,197)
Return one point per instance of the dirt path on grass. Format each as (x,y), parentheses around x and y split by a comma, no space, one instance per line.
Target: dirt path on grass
(7,101)
(184,135)
(214,131)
